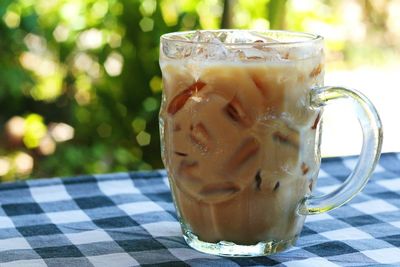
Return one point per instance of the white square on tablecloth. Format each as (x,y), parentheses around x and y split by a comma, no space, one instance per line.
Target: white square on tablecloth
(140,207)
(310,262)
(384,255)
(121,259)
(49,193)
(163,229)
(117,187)
(374,206)
(318,217)
(395,224)
(349,233)
(25,263)
(185,254)
(391,184)
(68,216)
(88,237)
(327,189)
(14,243)
(6,222)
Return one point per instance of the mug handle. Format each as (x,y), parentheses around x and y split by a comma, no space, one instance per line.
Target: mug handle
(371,148)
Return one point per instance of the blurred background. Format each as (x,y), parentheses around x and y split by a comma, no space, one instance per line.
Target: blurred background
(80,84)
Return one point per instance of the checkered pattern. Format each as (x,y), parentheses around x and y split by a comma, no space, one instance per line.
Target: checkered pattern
(128,219)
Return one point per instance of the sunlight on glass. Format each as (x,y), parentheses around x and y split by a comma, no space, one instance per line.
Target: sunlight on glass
(5,166)
(61,132)
(23,163)
(47,146)
(61,33)
(113,64)
(138,124)
(35,130)
(90,39)
(143,138)
(11,19)
(146,24)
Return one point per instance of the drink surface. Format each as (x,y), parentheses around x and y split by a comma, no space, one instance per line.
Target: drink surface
(240,141)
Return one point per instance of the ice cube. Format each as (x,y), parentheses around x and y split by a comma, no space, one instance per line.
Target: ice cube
(209,46)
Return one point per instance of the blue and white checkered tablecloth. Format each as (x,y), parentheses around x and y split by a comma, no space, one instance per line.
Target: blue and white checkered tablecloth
(128,219)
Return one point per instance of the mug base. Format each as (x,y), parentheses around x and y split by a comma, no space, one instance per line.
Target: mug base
(230,249)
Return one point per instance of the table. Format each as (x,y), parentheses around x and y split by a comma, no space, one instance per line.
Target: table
(128,219)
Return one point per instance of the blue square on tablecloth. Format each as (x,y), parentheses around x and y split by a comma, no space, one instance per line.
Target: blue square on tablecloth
(6,233)
(16,196)
(345,212)
(100,248)
(361,220)
(164,196)
(257,261)
(18,255)
(56,240)
(21,209)
(59,252)
(128,233)
(380,230)
(93,202)
(78,262)
(115,222)
(36,230)
(63,205)
(76,227)
(332,248)
(336,168)
(157,257)
(153,217)
(151,186)
(128,198)
(326,225)
(391,163)
(173,241)
(307,231)
(30,219)
(392,239)
(143,245)
(104,212)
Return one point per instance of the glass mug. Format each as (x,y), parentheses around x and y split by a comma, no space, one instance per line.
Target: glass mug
(240,125)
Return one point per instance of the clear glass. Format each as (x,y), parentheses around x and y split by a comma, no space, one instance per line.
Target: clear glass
(240,126)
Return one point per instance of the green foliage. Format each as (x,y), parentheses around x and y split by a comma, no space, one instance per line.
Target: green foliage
(80,84)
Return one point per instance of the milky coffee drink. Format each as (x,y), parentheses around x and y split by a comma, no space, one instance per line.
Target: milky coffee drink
(239,135)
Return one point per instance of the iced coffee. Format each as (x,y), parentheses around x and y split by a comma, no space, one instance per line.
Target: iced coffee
(239,139)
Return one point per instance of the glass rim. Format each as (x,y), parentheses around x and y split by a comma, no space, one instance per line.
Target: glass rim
(309,38)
